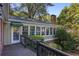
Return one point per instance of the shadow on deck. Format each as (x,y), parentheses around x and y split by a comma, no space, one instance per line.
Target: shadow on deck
(17,50)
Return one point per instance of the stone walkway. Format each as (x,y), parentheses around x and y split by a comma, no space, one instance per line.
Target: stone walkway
(17,50)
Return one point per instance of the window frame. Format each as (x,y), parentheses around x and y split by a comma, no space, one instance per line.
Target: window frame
(31,32)
(38,31)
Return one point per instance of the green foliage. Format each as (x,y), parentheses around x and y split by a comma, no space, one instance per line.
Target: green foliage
(37,37)
(69,19)
(69,16)
(64,40)
(46,18)
(33,9)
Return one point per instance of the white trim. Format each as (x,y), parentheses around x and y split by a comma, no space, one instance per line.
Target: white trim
(12,41)
(28,29)
(40,30)
(11,35)
(30,22)
(35,30)
(49,30)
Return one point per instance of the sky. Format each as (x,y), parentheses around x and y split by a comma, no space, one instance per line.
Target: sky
(57,8)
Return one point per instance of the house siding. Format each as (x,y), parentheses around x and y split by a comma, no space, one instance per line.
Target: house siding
(7,34)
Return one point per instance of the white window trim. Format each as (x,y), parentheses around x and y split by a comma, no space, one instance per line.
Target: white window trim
(29,30)
(35,30)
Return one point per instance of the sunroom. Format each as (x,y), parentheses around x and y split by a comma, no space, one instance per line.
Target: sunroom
(43,29)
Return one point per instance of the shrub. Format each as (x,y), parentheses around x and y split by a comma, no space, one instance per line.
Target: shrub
(64,40)
(37,37)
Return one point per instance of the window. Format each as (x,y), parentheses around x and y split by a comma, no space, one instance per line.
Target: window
(47,31)
(25,30)
(32,30)
(16,33)
(43,30)
(50,30)
(37,30)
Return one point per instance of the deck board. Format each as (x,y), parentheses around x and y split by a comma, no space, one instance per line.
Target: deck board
(17,50)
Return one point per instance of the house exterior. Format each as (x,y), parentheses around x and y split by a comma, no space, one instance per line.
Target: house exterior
(3,13)
(13,27)
(17,26)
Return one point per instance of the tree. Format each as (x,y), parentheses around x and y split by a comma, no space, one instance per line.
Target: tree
(34,9)
(69,19)
(69,15)
(37,10)
(63,16)
(16,10)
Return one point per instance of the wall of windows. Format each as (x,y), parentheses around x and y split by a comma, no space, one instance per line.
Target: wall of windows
(31,30)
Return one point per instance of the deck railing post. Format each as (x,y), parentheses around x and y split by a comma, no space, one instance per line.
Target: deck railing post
(37,48)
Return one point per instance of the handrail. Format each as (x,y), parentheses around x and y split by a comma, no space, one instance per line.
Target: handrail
(41,49)
(50,51)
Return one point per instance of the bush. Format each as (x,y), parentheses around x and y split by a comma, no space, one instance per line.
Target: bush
(64,40)
(37,37)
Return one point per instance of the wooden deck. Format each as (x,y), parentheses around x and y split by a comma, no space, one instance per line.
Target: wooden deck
(17,50)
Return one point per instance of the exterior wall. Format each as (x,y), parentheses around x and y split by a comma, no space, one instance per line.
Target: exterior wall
(7,34)
(1,35)
(2,28)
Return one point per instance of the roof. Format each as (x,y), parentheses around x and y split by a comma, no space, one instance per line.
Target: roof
(28,19)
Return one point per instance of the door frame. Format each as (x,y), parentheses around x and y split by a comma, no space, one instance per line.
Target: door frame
(12,41)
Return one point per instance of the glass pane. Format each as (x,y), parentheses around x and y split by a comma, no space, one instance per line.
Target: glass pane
(25,30)
(50,31)
(32,30)
(47,31)
(15,33)
(37,30)
(43,30)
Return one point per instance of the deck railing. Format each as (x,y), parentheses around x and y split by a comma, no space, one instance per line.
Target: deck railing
(40,48)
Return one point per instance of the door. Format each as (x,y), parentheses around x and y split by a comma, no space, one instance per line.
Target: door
(15,35)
